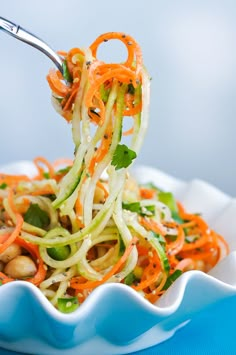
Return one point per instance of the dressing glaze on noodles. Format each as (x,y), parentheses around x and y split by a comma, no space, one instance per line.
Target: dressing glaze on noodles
(87,221)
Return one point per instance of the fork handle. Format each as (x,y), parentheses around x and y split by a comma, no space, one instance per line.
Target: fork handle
(29,38)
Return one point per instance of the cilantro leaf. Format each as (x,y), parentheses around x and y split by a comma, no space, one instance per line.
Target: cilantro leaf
(3,186)
(172,278)
(123,157)
(36,216)
(133,207)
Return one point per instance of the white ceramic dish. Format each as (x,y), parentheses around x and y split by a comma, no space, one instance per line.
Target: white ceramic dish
(115,319)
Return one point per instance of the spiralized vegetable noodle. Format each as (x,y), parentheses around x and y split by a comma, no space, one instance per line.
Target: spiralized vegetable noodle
(86,222)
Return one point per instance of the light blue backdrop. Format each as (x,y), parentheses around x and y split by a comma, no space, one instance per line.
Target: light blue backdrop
(189,49)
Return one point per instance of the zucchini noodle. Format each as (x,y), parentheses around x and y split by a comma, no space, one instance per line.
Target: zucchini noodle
(86,222)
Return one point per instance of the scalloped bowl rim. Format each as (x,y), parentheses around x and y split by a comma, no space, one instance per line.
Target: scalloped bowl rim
(163,319)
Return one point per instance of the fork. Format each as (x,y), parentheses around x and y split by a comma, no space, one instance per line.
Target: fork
(29,38)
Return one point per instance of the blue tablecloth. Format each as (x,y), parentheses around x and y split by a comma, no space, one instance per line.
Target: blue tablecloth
(212,332)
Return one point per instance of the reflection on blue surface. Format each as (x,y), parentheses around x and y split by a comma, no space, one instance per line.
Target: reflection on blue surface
(211,332)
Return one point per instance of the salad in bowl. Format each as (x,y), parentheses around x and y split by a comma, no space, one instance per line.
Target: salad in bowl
(87,245)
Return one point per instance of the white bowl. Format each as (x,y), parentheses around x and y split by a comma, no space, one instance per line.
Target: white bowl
(115,319)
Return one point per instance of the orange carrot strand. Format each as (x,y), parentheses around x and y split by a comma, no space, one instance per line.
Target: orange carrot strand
(116,267)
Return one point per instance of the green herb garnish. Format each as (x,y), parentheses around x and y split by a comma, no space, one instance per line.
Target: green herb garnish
(123,157)
(36,216)
(3,186)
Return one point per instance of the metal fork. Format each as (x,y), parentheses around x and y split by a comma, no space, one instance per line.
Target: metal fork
(29,38)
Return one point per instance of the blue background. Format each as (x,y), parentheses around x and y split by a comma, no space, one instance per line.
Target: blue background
(189,48)
(211,332)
